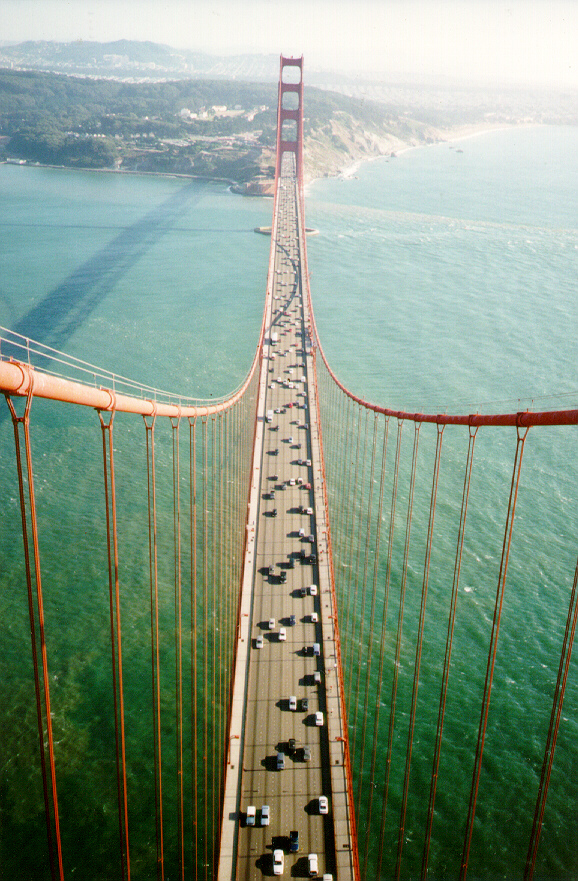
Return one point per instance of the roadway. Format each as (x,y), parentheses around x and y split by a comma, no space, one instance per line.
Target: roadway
(278,660)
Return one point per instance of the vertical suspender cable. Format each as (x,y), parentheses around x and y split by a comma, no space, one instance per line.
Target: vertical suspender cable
(205,650)
(362,609)
(194,650)
(555,716)
(350,608)
(155,665)
(42,688)
(396,662)
(448,651)
(418,647)
(381,649)
(115,637)
(175,423)
(522,433)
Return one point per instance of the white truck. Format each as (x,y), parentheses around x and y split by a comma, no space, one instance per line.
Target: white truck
(269,416)
(274,339)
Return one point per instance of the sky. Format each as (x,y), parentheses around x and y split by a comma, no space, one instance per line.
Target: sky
(497,42)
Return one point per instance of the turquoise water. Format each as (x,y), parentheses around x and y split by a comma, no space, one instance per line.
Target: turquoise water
(441,280)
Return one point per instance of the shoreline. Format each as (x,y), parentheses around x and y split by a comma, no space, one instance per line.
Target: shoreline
(346,172)
(446,136)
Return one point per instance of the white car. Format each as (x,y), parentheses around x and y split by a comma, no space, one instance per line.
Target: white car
(271,624)
(259,642)
(301,533)
(323,804)
(290,439)
(312,864)
(250,819)
(314,618)
(278,862)
(309,510)
(293,703)
(308,463)
(282,634)
(319,718)
(313,590)
(265,814)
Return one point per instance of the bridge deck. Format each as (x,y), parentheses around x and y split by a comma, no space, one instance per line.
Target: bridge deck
(288,464)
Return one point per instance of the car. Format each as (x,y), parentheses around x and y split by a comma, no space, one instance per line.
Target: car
(271,624)
(250,816)
(308,463)
(259,642)
(311,539)
(294,841)
(291,562)
(271,494)
(313,590)
(317,677)
(292,481)
(300,461)
(312,864)
(282,576)
(278,862)
(291,746)
(265,815)
(292,620)
(306,753)
(274,514)
(308,510)
(292,702)
(282,634)
(277,409)
(290,439)
(305,485)
(271,570)
(323,804)
(319,718)
(303,591)
(314,617)
(301,533)
(304,704)
(327,877)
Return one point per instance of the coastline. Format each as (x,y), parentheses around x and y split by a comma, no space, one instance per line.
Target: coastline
(347,171)
(445,136)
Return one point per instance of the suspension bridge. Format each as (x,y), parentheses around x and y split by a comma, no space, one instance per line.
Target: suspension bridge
(285,651)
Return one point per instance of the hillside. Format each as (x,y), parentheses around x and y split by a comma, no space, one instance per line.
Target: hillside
(205,128)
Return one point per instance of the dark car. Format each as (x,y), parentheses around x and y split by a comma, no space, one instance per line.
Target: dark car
(304,704)
(292,745)
(294,841)
(292,620)
(274,512)
(283,576)
(291,563)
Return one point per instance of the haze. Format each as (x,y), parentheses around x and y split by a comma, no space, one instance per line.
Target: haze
(492,42)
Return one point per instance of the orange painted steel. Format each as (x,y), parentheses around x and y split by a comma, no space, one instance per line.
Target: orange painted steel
(37,634)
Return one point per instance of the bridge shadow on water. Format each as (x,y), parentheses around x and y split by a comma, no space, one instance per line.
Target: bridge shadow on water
(63,310)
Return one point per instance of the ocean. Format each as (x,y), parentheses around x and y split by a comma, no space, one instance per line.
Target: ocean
(444,279)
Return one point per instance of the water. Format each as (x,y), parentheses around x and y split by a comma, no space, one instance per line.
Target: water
(441,280)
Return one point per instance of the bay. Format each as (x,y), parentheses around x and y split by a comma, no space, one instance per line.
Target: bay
(441,280)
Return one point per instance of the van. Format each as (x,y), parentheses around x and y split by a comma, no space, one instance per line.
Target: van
(312,864)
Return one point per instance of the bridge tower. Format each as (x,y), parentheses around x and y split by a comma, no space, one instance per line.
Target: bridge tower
(290,114)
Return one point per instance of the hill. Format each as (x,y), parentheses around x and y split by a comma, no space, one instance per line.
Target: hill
(207,128)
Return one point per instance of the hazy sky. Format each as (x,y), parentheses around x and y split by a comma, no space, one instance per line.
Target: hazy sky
(523,41)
